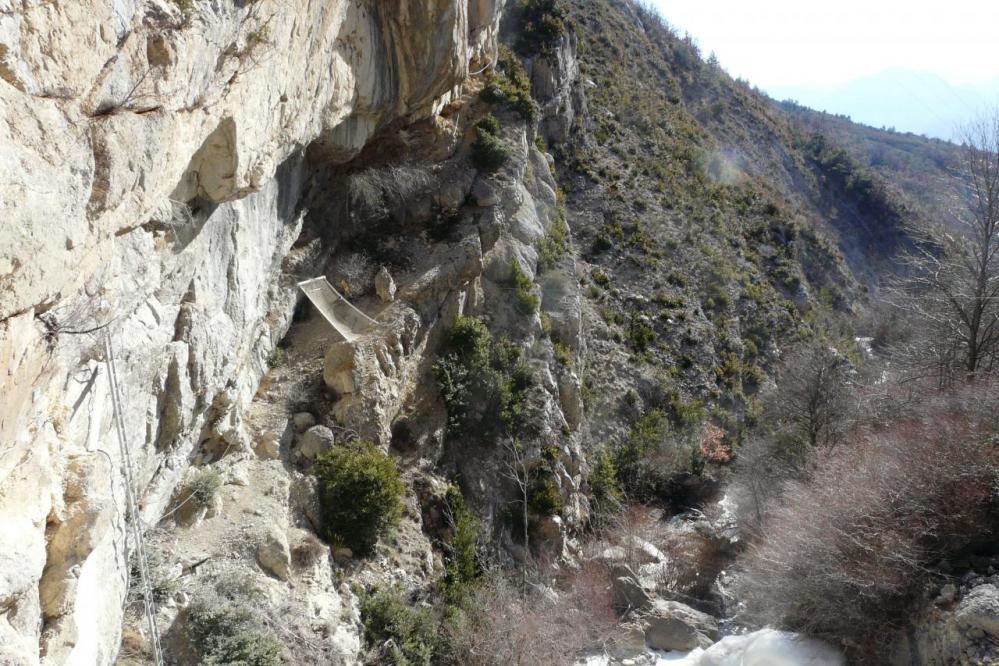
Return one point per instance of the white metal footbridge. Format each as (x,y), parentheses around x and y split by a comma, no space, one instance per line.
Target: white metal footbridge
(346,319)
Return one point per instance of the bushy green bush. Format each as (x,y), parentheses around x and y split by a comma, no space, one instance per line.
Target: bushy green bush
(554,244)
(640,334)
(605,488)
(513,387)
(509,85)
(600,278)
(562,353)
(276,359)
(471,340)
(463,371)
(543,497)
(484,386)
(489,152)
(412,632)
(489,125)
(527,300)
(203,488)
(543,23)
(461,567)
(652,456)
(360,494)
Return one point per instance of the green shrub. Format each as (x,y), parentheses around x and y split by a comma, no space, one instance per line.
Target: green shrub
(484,386)
(276,359)
(470,340)
(527,301)
(203,488)
(605,487)
(461,567)
(543,23)
(652,456)
(360,494)
(509,85)
(553,245)
(640,334)
(543,497)
(489,125)
(489,152)
(562,353)
(224,631)
(246,648)
(600,278)
(412,632)
(514,387)
(687,413)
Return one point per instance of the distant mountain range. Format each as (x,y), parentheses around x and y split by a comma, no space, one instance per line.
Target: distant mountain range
(905,100)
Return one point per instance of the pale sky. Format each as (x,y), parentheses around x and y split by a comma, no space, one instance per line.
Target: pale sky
(775,43)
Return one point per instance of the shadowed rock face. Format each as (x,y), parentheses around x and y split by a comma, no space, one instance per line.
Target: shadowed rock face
(152,170)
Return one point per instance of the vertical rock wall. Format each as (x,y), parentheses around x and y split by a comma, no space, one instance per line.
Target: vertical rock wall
(151,161)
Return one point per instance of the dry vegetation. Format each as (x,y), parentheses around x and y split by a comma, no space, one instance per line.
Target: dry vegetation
(846,551)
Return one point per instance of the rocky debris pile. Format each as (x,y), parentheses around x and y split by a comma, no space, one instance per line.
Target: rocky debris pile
(652,623)
(960,625)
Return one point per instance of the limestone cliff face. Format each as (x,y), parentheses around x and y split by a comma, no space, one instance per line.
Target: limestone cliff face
(152,166)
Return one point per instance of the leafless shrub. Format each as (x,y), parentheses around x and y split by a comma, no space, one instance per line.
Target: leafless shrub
(812,403)
(848,550)
(691,559)
(308,551)
(354,275)
(759,477)
(503,625)
(692,562)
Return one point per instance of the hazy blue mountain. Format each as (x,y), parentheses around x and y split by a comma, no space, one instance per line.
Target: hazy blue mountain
(906,100)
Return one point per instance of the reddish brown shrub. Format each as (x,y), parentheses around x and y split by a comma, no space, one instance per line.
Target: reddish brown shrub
(504,624)
(846,552)
(713,446)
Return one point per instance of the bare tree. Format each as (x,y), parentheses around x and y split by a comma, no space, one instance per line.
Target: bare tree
(812,399)
(515,468)
(953,285)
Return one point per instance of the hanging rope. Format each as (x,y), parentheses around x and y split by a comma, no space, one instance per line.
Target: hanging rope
(134,519)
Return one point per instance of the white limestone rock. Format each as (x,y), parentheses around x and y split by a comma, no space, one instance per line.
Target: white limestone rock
(385,285)
(274,554)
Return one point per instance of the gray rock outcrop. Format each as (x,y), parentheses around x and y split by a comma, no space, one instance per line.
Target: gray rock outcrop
(670,625)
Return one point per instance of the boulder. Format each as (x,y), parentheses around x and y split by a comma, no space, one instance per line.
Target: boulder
(947,595)
(315,441)
(273,553)
(642,551)
(385,285)
(303,421)
(670,625)
(627,591)
(980,609)
(612,554)
(338,368)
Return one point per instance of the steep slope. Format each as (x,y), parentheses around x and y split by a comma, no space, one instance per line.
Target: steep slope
(702,217)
